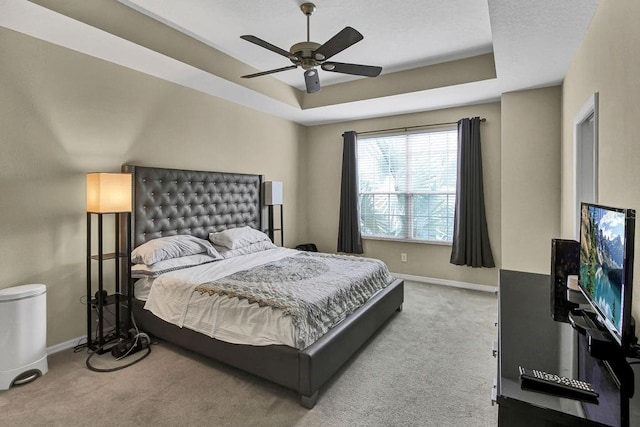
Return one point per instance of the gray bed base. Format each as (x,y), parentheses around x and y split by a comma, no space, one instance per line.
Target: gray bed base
(163,206)
(304,371)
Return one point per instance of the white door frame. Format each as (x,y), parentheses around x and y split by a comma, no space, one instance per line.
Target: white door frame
(585,140)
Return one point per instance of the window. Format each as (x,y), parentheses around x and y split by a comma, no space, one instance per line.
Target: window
(407,185)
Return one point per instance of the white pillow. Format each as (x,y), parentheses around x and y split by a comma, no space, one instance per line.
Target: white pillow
(248,249)
(169,247)
(235,238)
(172,264)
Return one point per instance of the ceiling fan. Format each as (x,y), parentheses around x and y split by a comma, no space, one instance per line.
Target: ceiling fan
(310,55)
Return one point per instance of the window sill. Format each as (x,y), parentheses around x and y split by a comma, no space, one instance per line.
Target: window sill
(423,242)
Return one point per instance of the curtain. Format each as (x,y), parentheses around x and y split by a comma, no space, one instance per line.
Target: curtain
(470,235)
(349,238)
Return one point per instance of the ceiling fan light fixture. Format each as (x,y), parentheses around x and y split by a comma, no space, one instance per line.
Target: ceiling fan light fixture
(309,55)
(311,80)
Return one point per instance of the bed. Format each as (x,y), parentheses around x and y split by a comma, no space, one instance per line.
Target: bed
(167,202)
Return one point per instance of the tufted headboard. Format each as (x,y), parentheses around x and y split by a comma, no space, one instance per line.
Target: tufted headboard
(175,201)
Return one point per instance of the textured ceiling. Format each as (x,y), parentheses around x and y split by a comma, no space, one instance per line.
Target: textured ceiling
(435,53)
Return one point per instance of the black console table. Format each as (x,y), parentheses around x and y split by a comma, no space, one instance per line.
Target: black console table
(528,337)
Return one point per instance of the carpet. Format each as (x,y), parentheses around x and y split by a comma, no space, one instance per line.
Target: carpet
(429,365)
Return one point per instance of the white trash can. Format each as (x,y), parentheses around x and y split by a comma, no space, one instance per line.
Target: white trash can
(23,334)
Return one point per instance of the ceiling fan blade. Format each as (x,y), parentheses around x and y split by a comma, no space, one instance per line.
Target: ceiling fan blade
(312,80)
(266,45)
(355,69)
(264,73)
(345,38)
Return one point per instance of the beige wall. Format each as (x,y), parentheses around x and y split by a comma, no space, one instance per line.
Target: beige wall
(607,62)
(63,114)
(530,178)
(324,165)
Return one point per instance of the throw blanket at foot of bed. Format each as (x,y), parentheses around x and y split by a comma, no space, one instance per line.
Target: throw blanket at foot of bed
(317,290)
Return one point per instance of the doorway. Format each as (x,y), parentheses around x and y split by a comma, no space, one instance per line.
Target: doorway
(585,150)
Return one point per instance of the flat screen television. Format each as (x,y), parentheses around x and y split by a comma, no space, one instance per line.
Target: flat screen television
(606,267)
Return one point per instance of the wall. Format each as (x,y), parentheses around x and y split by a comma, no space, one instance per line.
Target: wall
(324,153)
(608,62)
(63,114)
(531,130)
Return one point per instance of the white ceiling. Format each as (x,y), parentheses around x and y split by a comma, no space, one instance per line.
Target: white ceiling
(533,43)
(397,35)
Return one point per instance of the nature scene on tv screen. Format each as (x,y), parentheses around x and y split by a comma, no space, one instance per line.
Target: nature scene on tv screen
(601,259)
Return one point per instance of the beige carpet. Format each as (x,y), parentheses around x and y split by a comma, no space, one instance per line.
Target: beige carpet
(430,365)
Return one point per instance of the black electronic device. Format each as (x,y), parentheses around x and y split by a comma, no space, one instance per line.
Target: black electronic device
(308,247)
(537,380)
(129,346)
(606,272)
(600,343)
(565,261)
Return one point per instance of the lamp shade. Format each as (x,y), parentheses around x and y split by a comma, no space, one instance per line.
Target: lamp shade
(108,192)
(272,193)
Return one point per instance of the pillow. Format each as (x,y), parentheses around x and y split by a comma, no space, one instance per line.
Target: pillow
(235,238)
(249,249)
(169,247)
(172,264)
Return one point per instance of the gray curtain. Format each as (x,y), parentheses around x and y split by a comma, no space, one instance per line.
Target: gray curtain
(470,235)
(349,238)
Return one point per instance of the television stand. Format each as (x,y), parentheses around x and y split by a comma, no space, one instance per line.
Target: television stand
(528,336)
(600,343)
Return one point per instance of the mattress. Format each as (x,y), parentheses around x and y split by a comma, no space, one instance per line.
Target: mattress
(176,297)
(171,297)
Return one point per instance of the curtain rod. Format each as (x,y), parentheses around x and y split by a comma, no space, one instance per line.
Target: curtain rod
(412,127)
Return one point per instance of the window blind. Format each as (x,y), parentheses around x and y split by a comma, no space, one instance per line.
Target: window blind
(407,185)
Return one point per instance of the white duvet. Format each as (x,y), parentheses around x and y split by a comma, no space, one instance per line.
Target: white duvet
(171,297)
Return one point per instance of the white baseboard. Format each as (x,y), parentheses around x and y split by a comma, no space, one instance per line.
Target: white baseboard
(65,345)
(444,282)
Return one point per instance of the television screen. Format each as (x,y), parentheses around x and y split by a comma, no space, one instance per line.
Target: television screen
(606,258)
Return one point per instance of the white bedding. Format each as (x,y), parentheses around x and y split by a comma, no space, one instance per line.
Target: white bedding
(171,297)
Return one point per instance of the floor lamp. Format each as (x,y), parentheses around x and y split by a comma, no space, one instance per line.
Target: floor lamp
(107,193)
(273,197)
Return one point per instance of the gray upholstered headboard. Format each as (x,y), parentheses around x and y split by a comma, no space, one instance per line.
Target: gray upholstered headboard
(175,201)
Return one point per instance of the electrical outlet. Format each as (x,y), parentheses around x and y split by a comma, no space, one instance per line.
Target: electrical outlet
(403,257)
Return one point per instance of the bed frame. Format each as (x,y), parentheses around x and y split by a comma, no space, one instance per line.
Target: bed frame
(171,201)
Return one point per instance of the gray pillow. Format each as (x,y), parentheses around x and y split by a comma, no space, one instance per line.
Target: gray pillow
(263,245)
(234,238)
(164,248)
